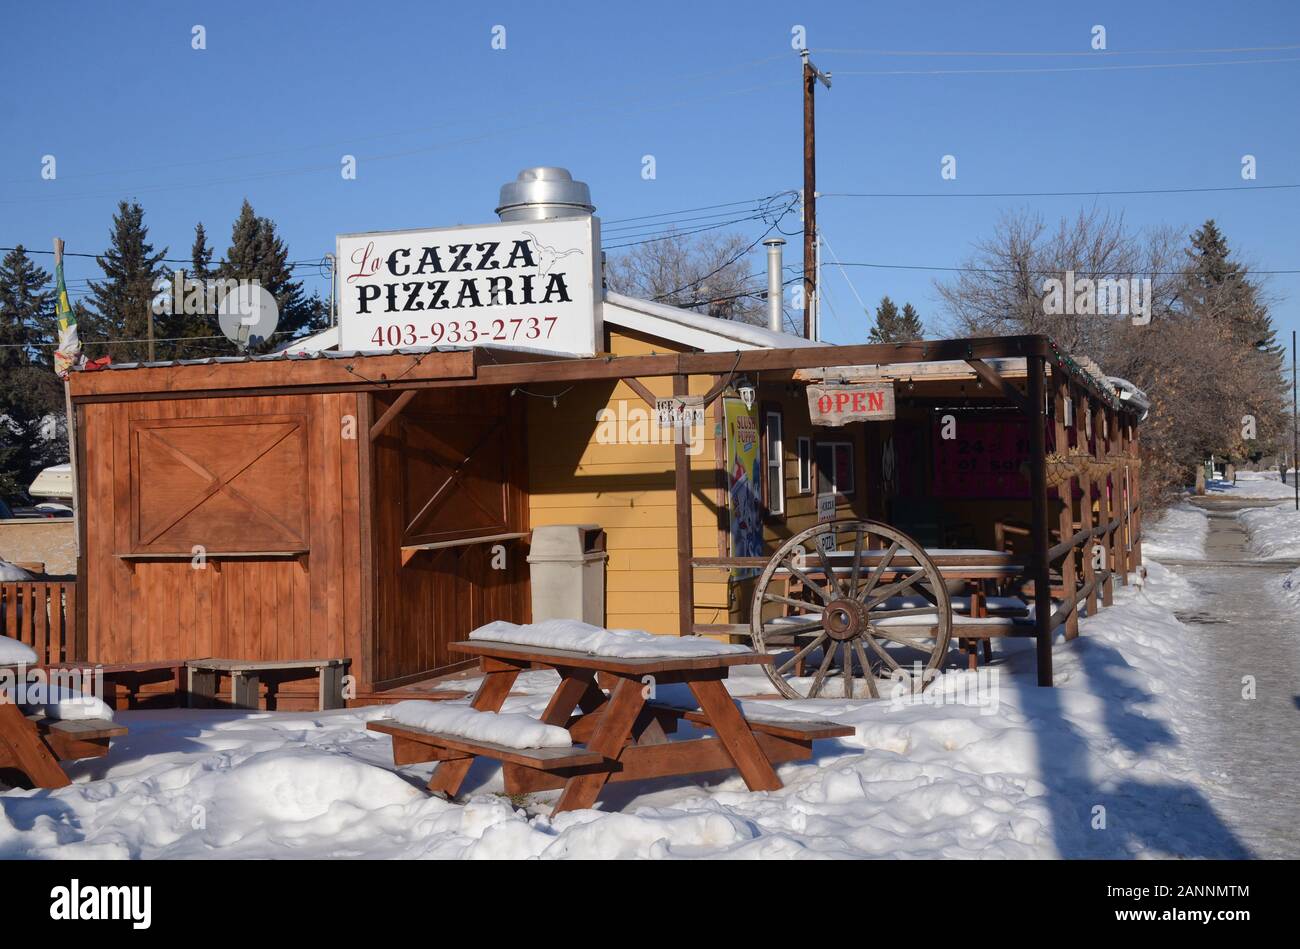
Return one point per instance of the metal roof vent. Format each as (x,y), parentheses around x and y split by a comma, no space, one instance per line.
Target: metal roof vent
(542,193)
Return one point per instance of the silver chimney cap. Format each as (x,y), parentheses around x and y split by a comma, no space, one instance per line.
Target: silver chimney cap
(542,193)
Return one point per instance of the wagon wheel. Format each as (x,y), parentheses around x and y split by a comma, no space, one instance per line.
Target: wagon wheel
(873,606)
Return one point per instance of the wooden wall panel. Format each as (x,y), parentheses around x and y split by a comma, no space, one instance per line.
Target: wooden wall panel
(259,607)
(440,595)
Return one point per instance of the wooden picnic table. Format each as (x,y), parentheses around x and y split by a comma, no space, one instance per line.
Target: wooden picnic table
(34,744)
(624,732)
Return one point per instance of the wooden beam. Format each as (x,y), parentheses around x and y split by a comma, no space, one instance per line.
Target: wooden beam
(1038,567)
(639,387)
(391,413)
(685,546)
(482,366)
(992,377)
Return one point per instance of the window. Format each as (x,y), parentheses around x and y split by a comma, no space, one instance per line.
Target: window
(835,468)
(774,455)
(805,465)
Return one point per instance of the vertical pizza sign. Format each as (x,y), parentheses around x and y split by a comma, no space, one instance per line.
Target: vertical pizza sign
(525,284)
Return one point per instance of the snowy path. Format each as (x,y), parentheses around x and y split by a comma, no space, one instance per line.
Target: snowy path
(1244,628)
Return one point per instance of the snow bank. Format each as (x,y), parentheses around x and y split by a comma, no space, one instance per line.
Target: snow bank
(512,730)
(1022,777)
(595,641)
(10,571)
(13,653)
(1274,532)
(1177,534)
(1253,484)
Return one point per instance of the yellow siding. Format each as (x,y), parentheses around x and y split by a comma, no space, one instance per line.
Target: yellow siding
(628,490)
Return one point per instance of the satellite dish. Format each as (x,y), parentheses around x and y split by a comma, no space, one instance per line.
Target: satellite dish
(248,315)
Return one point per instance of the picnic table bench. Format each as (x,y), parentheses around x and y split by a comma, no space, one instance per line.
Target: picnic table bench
(34,744)
(246,679)
(623,734)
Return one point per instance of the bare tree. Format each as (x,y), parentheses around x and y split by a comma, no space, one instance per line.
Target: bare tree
(708,273)
(1185,348)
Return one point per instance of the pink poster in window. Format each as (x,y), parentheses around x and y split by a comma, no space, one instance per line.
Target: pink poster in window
(986,459)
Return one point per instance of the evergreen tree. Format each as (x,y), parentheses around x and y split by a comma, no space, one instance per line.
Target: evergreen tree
(910,324)
(1220,288)
(257,253)
(1219,293)
(200,254)
(29,391)
(122,303)
(895,327)
(189,326)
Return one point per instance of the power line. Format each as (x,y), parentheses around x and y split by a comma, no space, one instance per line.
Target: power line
(1039,270)
(1056,52)
(1048,194)
(569,114)
(707,207)
(740,254)
(1055,69)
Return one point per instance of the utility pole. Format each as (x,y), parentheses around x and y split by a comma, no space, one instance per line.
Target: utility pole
(1295,429)
(811,76)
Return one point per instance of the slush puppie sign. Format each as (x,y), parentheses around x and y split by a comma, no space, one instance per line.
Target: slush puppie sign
(528,284)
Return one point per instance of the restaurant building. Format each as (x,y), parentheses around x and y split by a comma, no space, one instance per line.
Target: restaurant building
(374,492)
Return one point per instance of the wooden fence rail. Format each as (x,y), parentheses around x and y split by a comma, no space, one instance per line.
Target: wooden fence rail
(42,614)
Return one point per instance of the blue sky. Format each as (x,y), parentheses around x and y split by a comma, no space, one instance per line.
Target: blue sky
(438,120)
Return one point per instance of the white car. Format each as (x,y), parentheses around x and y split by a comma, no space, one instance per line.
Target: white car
(54,482)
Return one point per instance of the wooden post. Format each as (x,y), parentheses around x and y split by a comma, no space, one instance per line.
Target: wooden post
(1104,506)
(685,546)
(1115,449)
(1038,566)
(1065,494)
(1082,413)
(1136,476)
(809,195)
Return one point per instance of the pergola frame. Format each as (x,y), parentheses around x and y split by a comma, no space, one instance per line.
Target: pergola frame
(407,372)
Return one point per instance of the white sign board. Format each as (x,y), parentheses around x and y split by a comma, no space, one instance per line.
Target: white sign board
(825,508)
(528,284)
(674,411)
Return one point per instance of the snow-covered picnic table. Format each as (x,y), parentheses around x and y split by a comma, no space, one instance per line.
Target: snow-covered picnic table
(623,734)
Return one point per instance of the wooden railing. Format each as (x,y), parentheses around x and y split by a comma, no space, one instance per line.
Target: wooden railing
(42,614)
(1120,560)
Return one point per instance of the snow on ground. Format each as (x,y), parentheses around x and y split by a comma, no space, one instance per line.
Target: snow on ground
(1253,484)
(1274,532)
(1291,586)
(1031,773)
(1177,534)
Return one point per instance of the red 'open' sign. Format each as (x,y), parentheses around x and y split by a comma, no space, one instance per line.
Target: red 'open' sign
(835,405)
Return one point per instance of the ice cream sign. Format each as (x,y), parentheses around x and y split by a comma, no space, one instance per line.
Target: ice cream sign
(530,284)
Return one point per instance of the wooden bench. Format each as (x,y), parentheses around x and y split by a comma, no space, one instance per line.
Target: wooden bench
(412,745)
(33,745)
(246,679)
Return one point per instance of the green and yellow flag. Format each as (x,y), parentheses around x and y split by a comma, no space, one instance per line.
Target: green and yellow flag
(68,354)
